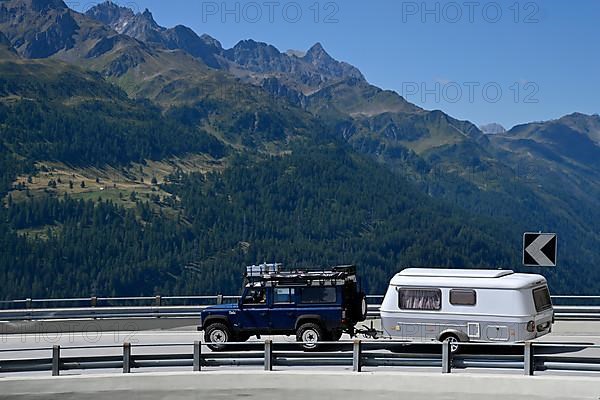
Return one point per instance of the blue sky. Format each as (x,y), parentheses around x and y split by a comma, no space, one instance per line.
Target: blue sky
(486,61)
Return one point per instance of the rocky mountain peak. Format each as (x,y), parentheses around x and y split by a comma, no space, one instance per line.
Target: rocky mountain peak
(147,17)
(327,65)
(317,52)
(110,13)
(211,41)
(492,129)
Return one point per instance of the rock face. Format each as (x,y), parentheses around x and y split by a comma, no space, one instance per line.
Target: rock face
(143,27)
(325,64)
(6,49)
(313,71)
(251,60)
(111,14)
(45,26)
(492,129)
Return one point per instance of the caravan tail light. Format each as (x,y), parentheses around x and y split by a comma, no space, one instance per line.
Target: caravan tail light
(531,326)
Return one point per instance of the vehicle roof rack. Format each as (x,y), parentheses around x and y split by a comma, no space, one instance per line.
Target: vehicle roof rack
(275,272)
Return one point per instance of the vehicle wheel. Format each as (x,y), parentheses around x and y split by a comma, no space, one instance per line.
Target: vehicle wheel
(360,308)
(309,335)
(219,334)
(453,340)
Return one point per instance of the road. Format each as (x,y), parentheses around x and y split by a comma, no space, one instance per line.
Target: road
(301,385)
(572,335)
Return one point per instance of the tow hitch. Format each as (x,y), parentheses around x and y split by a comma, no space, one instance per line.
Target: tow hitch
(368,332)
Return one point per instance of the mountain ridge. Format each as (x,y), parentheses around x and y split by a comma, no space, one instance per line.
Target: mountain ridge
(259,104)
(245,59)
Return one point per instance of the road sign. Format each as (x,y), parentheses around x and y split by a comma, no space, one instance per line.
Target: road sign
(540,249)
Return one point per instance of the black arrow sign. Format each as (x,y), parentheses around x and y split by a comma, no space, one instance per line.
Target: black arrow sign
(539,249)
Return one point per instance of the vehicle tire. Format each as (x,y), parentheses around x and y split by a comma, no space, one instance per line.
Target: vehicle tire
(361,308)
(454,340)
(309,335)
(219,334)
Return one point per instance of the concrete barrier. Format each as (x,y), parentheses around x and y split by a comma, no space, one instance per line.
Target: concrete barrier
(302,385)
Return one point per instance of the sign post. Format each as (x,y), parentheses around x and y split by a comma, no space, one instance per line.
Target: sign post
(540,249)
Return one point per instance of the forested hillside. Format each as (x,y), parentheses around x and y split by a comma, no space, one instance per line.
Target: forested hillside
(321,205)
(142,162)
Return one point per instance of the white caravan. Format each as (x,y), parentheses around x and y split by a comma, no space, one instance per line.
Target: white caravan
(467,305)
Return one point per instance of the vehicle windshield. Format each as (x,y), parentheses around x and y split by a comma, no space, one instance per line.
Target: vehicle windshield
(541,298)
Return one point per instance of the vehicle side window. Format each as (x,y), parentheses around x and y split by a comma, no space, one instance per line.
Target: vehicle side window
(420,299)
(463,297)
(541,298)
(318,295)
(283,295)
(256,296)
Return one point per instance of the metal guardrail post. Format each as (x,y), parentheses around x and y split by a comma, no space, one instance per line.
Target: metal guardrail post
(268,355)
(357,356)
(197,356)
(529,359)
(220,299)
(158,301)
(28,304)
(56,360)
(93,301)
(126,358)
(446,358)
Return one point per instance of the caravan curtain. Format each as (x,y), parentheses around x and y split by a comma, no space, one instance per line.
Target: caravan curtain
(420,299)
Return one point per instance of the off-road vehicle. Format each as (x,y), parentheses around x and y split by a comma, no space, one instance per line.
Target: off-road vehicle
(315,305)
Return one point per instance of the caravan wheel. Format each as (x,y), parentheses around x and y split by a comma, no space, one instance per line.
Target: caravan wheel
(454,341)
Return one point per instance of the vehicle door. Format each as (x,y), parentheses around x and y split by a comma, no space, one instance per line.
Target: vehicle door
(254,315)
(284,310)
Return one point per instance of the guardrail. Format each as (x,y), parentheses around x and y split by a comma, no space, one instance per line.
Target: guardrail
(528,357)
(191,306)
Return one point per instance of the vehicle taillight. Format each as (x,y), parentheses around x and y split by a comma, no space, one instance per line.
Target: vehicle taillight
(531,326)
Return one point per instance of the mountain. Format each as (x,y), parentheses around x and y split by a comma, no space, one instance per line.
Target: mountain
(320,203)
(561,160)
(143,27)
(316,69)
(184,86)
(251,60)
(571,142)
(115,130)
(563,155)
(492,129)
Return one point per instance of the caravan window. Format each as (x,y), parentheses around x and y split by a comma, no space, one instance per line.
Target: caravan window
(420,299)
(463,297)
(541,298)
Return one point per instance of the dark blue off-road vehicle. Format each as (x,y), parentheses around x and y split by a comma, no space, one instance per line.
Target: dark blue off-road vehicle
(314,305)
